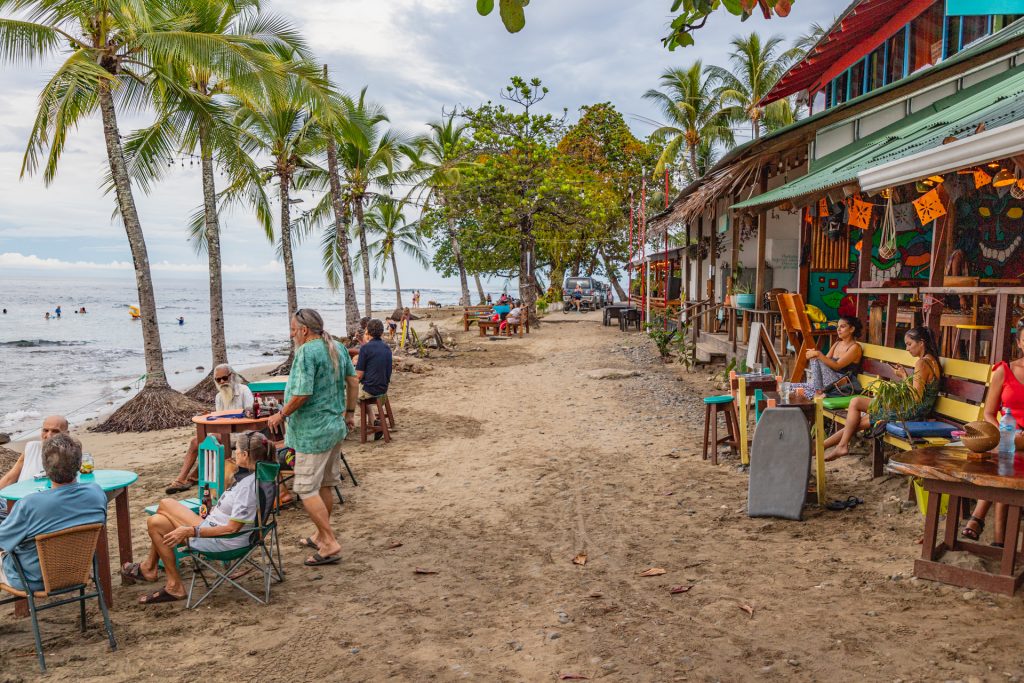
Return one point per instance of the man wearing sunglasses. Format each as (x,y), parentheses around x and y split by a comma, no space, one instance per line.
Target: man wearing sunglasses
(231,395)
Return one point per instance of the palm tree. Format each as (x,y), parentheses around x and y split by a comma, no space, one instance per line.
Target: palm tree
(195,118)
(386,219)
(115,55)
(756,66)
(368,157)
(815,32)
(284,131)
(690,103)
(439,158)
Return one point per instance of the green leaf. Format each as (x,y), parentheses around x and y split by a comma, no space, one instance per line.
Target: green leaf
(512,15)
(484,7)
(733,6)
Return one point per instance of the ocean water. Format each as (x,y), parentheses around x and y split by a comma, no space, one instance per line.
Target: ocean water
(82,365)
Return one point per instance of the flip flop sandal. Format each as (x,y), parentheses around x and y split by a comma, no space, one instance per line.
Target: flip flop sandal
(160,596)
(308,542)
(849,503)
(131,574)
(973,534)
(177,487)
(319,559)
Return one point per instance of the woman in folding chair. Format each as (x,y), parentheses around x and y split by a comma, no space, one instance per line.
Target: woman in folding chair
(174,524)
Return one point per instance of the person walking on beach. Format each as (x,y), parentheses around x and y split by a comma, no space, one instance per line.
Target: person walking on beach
(320,405)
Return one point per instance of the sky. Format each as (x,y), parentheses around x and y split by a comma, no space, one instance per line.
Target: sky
(417,58)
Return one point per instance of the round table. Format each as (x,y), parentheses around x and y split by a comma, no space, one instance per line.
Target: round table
(115,483)
(224,427)
(963,475)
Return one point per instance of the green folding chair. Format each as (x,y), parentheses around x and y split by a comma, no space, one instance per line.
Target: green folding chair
(259,552)
(68,562)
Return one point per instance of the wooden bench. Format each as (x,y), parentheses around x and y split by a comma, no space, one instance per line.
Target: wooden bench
(485,325)
(471,314)
(520,327)
(961,396)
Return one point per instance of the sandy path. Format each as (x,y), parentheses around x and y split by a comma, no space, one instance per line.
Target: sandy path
(508,462)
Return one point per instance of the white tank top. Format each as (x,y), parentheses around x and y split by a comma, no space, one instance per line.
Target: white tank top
(33,462)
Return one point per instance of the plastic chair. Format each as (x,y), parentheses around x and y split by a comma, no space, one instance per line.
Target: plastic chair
(262,542)
(66,558)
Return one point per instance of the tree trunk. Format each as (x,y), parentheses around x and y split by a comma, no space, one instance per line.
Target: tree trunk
(206,390)
(527,263)
(156,377)
(341,220)
(157,406)
(693,162)
(480,288)
(612,274)
(365,253)
(398,285)
(558,278)
(286,248)
(457,252)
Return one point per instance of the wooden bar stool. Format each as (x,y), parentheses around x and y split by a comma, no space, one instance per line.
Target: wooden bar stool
(713,405)
(384,418)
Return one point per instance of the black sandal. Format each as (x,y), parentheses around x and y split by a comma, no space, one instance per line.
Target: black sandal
(972,534)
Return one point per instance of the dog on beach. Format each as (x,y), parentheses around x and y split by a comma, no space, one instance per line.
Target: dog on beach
(433,304)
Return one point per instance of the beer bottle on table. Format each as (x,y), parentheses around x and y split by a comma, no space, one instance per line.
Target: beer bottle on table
(257,405)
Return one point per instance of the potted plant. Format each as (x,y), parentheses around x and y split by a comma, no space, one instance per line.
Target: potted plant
(898,398)
(744,298)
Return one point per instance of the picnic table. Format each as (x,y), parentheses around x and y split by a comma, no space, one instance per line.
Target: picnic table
(224,427)
(963,475)
(613,311)
(115,484)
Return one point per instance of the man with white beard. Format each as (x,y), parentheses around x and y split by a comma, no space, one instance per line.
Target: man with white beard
(231,395)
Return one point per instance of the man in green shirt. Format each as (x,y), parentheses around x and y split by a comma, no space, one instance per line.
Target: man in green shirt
(320,405)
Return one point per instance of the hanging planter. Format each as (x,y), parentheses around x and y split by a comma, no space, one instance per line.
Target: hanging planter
(887,249)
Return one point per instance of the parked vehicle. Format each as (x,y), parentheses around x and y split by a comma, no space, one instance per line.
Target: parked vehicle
(592,295)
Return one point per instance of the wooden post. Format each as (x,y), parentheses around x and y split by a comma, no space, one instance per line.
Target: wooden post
(700,273)
(804,278)
(762,236)
(864,269)
(629,266)
(1001,338)
(942,227)
(714,252)
(686,291)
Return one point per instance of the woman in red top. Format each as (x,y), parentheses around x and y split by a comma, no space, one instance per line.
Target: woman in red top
(1006,391)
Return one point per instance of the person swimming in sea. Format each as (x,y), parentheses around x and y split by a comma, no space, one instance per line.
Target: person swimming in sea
(181,320)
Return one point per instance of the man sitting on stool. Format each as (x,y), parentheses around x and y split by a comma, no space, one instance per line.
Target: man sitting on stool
(31,461)
(231,395)
(373,368)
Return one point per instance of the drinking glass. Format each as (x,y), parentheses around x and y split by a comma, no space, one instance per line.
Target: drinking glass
(88,465)
(784,392)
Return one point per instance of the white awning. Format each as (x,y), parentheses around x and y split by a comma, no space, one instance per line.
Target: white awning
(999,143)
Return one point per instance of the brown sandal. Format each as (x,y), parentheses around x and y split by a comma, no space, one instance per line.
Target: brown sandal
(177,486)
(160,596)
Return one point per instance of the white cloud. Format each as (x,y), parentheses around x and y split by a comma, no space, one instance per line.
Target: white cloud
(17,260)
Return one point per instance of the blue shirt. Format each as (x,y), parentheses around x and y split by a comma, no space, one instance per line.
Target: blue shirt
(375,363)
(41,513)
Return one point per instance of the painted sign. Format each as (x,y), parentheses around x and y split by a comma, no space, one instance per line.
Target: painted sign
(967,8)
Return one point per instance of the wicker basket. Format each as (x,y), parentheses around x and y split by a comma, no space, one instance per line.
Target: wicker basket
(981,436)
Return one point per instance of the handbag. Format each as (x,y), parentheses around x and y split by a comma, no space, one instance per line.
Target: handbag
(846,385)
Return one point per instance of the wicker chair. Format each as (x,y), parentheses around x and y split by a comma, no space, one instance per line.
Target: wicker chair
(66,558)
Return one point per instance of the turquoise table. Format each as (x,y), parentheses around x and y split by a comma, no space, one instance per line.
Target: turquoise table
(115,483)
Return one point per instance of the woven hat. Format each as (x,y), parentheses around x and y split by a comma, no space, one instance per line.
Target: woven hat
(981,436)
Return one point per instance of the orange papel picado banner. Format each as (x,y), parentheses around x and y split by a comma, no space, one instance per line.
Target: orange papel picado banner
(981,179)
(860,214)
(929,207)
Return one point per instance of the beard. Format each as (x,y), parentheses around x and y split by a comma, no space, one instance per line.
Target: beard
(226,392)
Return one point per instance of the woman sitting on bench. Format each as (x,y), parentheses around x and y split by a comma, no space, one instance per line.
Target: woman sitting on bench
(927,375)
(825,370)
(1006,391)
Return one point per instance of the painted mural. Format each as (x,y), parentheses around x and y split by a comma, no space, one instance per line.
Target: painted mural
(990,232)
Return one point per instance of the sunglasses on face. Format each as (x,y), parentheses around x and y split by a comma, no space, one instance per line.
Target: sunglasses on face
(222,378)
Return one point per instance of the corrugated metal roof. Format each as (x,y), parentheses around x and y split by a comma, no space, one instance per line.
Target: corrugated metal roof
(995,102)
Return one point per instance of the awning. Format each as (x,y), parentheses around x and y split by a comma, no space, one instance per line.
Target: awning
(995,102)
(982,148)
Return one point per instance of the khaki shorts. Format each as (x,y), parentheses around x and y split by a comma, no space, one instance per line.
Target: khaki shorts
(363,396)
(314,471)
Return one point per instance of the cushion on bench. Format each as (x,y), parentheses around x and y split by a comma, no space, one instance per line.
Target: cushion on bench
(921,429)
(836,402)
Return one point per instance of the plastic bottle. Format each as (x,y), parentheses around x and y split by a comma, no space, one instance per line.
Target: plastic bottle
(257,405)
(1007,431)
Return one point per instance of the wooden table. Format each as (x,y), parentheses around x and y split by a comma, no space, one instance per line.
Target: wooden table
(965,475)
(806,405)
(613,311)
(115,484)
(224,427)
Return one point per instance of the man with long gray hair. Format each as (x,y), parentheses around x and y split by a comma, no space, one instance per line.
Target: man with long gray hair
(320,405)
(231,395)
(66,504)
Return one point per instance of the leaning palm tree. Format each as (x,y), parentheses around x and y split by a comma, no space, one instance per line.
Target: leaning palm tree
(115,56)
(689,101)
(386,220)
(757,64)
(439,158)
(368,156)
(195,118)
(283,131)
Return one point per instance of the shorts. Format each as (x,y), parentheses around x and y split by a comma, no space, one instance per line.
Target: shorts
(314,471)
(363,396)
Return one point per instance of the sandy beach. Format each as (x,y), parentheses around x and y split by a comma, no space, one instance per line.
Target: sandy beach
(509,461)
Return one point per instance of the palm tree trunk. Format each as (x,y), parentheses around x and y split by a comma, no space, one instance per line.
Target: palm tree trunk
(398,285)
(693,161)
(156,377)
(341,219)
(480,288)
(157,406)
(205,390)
(365,252)
(457,252)
(286,248)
